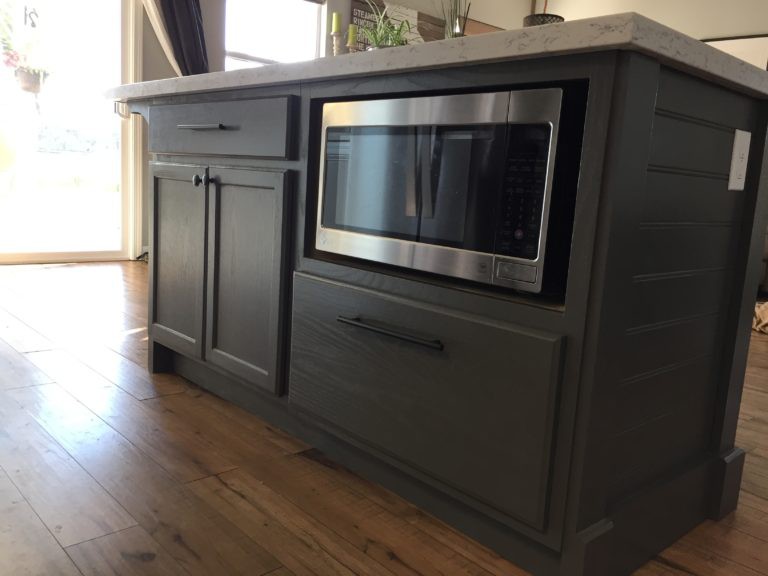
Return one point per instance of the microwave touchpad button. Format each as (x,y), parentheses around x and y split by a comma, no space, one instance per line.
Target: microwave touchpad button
(515,271)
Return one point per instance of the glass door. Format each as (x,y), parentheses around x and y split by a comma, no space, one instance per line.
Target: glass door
(60,161)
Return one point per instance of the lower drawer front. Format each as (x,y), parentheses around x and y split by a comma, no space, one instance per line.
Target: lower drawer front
(467,402)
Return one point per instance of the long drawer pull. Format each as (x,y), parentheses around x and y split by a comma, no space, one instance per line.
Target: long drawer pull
(201,126)
(360,323)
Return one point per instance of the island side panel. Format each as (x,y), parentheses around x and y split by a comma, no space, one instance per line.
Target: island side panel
(671,333)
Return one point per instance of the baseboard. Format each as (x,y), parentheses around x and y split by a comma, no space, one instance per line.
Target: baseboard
(640,527)
(725,493)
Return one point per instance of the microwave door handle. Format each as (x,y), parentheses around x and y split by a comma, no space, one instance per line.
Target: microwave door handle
(411,209)
(426,147)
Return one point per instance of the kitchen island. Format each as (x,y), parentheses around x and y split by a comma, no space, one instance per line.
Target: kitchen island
(575,431)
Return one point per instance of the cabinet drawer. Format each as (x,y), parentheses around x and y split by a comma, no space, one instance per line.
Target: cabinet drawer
(466,402)
(238,128)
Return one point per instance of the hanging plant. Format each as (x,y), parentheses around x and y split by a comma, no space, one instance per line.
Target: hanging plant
(29,75)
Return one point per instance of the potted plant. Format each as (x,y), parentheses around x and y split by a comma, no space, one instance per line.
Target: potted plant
(534,19)
(29,77)
(30,80)
(385,33)
(455,14)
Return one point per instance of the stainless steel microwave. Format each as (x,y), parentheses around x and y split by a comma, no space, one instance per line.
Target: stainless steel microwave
(456,185)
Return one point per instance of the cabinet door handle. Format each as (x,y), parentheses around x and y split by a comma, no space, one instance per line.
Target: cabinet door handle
(201,126)
(197,180)
(360,323)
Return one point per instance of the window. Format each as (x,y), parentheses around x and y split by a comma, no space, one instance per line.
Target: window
(260,32)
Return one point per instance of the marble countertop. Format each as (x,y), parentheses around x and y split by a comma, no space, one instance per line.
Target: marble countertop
(628,31)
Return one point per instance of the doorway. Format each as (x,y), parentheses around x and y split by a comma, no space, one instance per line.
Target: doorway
(61,197)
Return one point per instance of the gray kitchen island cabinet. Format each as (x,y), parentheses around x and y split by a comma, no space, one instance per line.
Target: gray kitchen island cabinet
(218,266)
(577,430)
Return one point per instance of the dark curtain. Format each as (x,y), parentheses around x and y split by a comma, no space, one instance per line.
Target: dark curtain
(184,21)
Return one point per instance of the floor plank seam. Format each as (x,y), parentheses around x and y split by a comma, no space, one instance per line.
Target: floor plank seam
(741,531)
(71,559)
(42,522)
(27,387)
(217,475)
(674,565)
(55,441)
(75,544)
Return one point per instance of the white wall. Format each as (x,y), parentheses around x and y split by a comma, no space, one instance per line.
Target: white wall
(214,18)
(154,63)
(697,18)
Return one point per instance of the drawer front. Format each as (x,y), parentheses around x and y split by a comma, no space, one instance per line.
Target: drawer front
(464,401)
(238,128)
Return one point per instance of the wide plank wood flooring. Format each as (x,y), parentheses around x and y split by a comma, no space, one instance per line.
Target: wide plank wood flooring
(106,469)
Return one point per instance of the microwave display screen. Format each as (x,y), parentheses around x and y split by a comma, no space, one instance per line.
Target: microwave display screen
(474,187)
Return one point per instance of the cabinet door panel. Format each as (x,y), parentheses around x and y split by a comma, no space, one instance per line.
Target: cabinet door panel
(246,265)
(465,403)
(178,258)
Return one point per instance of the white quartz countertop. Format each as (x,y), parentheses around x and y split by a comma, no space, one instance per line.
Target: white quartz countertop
(628,31)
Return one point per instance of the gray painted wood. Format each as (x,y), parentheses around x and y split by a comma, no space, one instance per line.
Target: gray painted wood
(178,247)
(257,127)
(478,415)
(677,197)
(246,273)
(660,298)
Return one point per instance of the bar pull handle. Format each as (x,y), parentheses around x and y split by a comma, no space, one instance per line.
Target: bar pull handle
(201,126)
(360,323)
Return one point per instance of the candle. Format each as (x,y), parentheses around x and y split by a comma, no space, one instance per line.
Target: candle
(336,23)
(352,34)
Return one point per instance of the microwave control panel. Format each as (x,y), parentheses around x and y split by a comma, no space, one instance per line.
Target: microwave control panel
(523,196)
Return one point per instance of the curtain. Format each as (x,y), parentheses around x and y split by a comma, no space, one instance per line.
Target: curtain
(184,21)
(183,32)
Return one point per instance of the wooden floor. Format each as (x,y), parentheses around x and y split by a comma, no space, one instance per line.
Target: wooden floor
(105,469)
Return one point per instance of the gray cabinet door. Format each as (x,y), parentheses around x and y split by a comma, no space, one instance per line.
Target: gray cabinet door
(245,273)
(178,242)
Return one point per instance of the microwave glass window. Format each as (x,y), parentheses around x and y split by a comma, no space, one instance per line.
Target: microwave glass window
(428,184)
(364,167)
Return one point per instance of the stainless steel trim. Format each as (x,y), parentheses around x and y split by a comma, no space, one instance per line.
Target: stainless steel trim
(487,108)
(517,107)
(466,264)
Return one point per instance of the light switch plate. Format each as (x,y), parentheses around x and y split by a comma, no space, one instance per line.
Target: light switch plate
(741,140)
